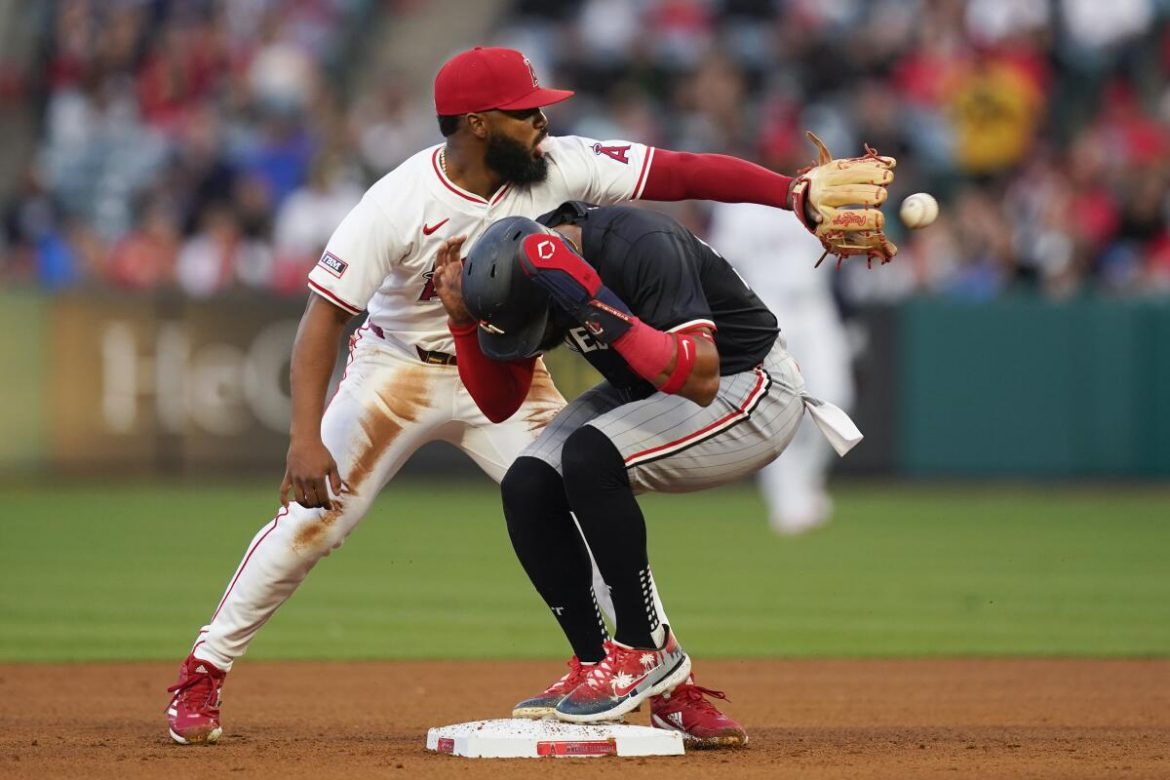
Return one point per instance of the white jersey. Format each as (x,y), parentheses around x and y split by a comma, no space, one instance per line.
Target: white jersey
(381,257)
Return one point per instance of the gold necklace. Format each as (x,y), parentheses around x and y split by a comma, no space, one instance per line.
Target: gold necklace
(443,160)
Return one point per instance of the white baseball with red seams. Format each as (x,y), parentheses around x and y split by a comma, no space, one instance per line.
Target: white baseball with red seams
(390,403)
(918,210)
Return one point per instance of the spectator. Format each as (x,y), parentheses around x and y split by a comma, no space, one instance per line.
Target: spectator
(144,259)
(1060,106)
(219,256)
(308,218)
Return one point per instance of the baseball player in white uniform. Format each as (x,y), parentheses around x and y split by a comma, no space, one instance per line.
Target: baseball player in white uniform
(777,258)
(401,388)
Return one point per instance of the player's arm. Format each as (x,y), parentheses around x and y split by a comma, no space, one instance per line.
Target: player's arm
(498,387)
(693,357)
(682,363)
(314,354)
(815,197)
(614,171)
(719,177)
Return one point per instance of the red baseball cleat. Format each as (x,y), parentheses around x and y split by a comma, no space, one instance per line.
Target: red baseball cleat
(623,680)
(687,709)
(543,705)
(193,714)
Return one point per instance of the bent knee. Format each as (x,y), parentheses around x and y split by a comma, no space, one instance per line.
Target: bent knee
(527,480)
(317,532)
(590,458)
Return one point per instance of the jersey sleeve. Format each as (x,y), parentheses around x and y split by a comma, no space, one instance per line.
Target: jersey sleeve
(357,258)
(662,284)
(601,172)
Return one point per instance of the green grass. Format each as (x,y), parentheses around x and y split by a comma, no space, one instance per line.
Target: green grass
(130,572)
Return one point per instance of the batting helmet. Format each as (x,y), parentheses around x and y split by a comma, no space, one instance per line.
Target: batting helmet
(511,308)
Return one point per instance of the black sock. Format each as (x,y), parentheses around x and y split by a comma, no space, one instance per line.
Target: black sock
(553,553)
(599,493)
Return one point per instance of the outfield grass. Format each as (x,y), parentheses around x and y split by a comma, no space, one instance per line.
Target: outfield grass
(130,572)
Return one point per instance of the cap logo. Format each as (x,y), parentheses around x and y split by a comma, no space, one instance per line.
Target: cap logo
(490,328)
(531,72)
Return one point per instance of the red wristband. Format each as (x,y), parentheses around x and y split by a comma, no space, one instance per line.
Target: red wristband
(645,349)
(683,363)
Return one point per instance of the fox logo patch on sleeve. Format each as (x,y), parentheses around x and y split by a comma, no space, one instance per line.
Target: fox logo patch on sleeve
(617,153)
(333,264)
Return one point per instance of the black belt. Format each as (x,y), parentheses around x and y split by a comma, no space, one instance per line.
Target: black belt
(425,355)
(431,356)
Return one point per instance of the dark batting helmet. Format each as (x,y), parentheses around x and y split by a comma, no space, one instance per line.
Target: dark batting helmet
(511,308)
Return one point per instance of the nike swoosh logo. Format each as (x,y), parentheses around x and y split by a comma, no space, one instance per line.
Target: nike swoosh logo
(428,229)
(621,692)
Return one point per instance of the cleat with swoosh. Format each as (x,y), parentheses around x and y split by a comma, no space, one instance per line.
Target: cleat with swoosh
(544,704)
(624,679)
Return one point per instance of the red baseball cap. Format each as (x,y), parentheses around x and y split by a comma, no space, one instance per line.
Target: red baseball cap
(486,78)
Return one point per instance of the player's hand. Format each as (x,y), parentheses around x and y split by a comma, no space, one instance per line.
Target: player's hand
(309,469)
(448,281)
(840,200)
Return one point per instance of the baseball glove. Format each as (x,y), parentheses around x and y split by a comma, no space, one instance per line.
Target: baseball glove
(859,185)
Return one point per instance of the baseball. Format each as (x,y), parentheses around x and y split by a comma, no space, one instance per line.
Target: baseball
(918,210)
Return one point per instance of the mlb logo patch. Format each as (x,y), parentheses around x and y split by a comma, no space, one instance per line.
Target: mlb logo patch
(333,264)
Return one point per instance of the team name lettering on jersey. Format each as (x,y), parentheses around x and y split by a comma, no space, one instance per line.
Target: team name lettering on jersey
(333,264)
(583,340)
(613,152)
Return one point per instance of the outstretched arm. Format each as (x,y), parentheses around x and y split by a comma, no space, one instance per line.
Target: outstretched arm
(683,175)
(816,196)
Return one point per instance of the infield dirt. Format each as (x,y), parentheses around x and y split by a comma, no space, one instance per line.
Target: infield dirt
(810,719)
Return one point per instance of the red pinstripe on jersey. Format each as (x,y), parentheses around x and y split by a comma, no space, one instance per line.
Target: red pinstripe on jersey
(741,413)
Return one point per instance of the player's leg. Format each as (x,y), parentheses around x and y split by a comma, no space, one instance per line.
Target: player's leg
(383,411)
(544,535)
(644,659)
(688,709)
(670,445)
(666,443)
(495,447)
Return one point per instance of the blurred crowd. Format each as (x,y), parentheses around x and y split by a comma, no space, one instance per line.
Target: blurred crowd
(202,145)
(1043,126)
(213,144)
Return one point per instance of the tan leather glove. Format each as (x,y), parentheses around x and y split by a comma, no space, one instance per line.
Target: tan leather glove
(839,202)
